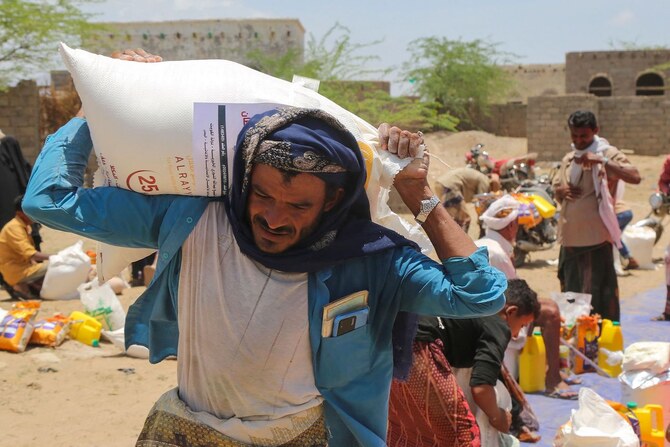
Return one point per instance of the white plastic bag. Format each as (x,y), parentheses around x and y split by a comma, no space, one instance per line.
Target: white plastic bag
(101,302)
(595,424)
(67,270)
(572,305)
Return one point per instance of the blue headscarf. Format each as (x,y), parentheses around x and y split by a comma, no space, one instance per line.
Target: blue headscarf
(308,141)
(312,141)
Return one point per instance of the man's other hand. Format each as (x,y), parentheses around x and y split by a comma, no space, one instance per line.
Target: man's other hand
(502,421)
(588,160)
(402,143)
(405,144)
(136,55)
(567,192)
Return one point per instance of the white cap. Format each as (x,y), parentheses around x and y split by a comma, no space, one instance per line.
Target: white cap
(501,213)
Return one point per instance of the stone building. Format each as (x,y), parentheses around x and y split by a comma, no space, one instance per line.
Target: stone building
(535,80)
(203,39)
(618,73)
(627,90)
(175,40)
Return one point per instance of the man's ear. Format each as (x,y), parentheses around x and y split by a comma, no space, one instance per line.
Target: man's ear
(511,310)
(334,200)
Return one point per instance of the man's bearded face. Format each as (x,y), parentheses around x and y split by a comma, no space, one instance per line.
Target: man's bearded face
(284,210)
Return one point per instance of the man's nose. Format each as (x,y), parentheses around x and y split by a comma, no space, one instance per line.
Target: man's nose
(274,217)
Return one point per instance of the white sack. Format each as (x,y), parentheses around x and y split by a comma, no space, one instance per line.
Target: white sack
(101,302)
(67,270)
(650,355)
(141,118)
(595,424)
(640,243)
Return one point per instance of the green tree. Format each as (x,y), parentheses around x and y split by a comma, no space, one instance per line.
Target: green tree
(464,77)
(334,58)
(30,31)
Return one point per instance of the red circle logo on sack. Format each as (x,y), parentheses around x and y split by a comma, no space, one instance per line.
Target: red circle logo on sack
(142,181)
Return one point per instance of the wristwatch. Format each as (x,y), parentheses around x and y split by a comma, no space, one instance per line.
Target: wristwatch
(427,205)
(605,160)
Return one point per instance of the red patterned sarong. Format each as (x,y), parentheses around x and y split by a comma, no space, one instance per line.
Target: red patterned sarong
(430,408)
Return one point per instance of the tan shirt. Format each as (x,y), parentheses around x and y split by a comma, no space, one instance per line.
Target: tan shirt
(580,224)
(16,249)
(464,182)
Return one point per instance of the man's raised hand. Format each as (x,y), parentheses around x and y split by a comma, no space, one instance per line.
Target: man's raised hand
(136,55)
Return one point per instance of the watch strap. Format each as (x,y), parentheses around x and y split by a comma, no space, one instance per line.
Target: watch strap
(427,205)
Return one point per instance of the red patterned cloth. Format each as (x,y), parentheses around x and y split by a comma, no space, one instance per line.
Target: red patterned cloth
(430,410)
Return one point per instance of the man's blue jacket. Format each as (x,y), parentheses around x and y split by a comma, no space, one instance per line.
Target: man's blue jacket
(353,371)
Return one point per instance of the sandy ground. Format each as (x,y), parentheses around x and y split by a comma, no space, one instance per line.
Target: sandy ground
(75,395)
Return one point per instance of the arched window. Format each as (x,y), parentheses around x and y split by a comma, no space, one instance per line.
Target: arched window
(650,84)
(600,86)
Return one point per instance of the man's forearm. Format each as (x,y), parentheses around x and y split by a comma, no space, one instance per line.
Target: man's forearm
(628,174)
(444,233)
(485,398)
(39,257)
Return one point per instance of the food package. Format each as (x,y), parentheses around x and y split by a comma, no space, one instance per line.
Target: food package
(51,331)
(16,328)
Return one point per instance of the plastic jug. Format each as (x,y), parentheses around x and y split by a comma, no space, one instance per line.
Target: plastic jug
(85,328)
(628,415)
(587,342)
(533,364)
(546,209)
(651,423)
(611,339)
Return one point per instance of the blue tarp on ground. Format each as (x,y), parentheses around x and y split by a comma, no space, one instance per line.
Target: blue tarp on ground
(636,325)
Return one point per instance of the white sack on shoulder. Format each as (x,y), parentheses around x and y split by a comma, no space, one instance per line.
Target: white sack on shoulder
(67,270)
(141,118)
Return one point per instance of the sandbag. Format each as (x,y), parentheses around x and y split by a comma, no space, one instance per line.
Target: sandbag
(141,122)
(67,270)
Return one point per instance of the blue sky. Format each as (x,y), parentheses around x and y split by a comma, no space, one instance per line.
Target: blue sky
(537,31)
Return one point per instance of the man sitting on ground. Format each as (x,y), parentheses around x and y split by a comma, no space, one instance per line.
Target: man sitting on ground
(21,265)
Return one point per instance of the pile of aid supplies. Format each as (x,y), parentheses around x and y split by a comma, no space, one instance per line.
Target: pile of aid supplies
(101,316)
(590,344)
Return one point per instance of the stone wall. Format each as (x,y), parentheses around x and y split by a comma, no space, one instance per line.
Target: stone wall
(641,124)
(203,39)
(622,68)
(547,129)
(507,120)
(20,117)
